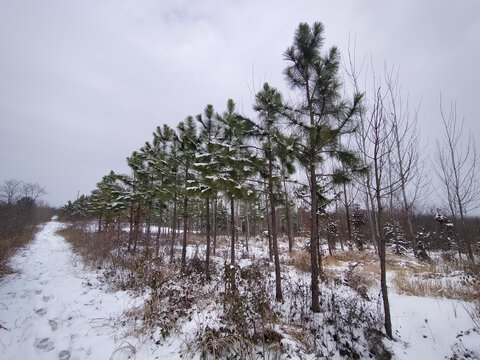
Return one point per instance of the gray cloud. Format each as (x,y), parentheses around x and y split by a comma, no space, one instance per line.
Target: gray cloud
(85,83)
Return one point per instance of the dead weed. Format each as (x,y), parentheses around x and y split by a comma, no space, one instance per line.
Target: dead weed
(437,285)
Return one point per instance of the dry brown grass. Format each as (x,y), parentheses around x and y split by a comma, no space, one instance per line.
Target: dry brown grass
(9,245)
(214,344)
(411,277)
(124,351)
(94,248)
(424,284)
(300,260)
(299,333)
(342,257)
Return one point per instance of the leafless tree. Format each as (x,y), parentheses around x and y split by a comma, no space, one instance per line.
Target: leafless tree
(32,190)
(457,168)
(10,191)
(376,142)
(379,136)
(406,163)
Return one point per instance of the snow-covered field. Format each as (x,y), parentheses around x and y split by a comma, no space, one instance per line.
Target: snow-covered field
(55,308)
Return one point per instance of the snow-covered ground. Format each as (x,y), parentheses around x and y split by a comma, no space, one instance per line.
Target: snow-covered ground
(54,307)
(431,329)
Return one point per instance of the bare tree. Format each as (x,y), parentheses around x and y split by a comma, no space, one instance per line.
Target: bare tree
(32,190)
(457,169)
(375,142)
(10,191)
(379,135)
(406,163)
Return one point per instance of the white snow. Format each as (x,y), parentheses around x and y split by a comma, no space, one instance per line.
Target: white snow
(430,329)
(54,308)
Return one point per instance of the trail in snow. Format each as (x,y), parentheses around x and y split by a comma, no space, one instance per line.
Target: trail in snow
(52,308)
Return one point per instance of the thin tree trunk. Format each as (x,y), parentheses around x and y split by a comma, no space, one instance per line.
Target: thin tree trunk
(157,238)
(247,227)
(314,242)
(347,212)
(237,220)
(185,230)
(149,223)
(215,226)
(118,229)
(381,248)
(174,227)
(137,228)
(383,278)
(232,224)
(130,233)
(269,233)
(288,217)
(371,214)
(313,209)
(278,279)
(207,260)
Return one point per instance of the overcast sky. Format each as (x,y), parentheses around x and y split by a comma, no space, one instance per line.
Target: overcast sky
(85,83)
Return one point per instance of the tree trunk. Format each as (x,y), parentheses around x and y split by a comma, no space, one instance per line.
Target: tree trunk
(185,230)
(278,284)
(269,233)
(314,241)
(288,217)
(383,279)
(347,212)
(232,224)
(174,227)
(137,228)
(247,227)
(313,208)
(207,260)
(215,226)
(157,239)
(118,229)
(149,223)
(382,252)
(130,233)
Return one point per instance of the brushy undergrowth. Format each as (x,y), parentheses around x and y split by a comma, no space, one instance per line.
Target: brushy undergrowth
(8,246)
(454,284)
(234,315)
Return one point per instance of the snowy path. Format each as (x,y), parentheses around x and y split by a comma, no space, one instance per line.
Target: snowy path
(52,308)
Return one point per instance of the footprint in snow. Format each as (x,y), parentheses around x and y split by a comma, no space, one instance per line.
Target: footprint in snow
(38,292)
(44,344)
(41,311)
(64,355)
(53,324)
(46,298)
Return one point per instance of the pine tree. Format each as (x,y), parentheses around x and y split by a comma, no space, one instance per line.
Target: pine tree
(268,105)
(207,166)
(322,116)
(163,177)
(187,135)
(236,162)
(141,192)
